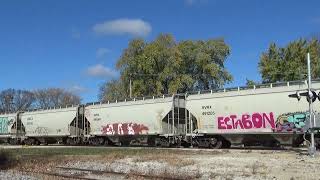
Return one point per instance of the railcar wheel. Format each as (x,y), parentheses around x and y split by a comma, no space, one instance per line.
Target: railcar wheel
(44,142)
(125,143)
(163,142)
(275,144)
(97,141)
(226,144)
(13,141)
(27,142)
(185,144)
(217,145)
(72,141)
(212,143)
(101,141)
(151,142)
(317,143)
(30,141)
(69,141)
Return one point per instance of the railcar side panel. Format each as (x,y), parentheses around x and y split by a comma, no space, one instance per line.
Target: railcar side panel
(45,123)
(265,110)
(128,118)
(6,123)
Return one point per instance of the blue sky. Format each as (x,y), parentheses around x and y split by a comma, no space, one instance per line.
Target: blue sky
(74,44)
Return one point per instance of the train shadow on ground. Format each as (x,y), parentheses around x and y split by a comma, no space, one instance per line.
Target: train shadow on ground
(299,150)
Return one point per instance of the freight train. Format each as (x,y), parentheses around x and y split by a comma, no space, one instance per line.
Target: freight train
(257,115)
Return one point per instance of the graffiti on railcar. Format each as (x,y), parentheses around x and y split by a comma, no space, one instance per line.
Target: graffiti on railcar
(291,122)
(41,131)
(10,122)
(124,129)
(4,125)
(247,121)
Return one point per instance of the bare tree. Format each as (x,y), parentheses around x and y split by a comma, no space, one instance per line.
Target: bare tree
(23,100)
(6,100)
(12,100)
(54,97)
(42,98)
(70,98)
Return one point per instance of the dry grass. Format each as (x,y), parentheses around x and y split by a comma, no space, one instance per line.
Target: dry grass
(172,160)
(39,160)
(256,168)
(44,159)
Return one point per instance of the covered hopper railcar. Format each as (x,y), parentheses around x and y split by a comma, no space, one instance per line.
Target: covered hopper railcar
(139,121)
(54,125)
(259,115)
(262,115)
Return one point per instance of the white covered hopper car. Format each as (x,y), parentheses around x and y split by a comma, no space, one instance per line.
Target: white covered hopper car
(51,125)
(124,121)
(259,115)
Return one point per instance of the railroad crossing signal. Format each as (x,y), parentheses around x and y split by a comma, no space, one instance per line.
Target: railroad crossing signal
(311,96)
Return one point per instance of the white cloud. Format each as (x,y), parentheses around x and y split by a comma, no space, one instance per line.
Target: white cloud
(101,71)
(135,27)
(102,52)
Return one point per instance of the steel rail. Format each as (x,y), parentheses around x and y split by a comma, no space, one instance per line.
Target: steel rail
(126,174)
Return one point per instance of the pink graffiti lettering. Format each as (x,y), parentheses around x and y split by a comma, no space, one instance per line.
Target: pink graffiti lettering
(120,130)
(130,129)
(124,129)
(247,121)
(109,129)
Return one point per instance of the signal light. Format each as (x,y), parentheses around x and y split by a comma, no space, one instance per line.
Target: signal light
(313,96)
(309,95)
(296,95)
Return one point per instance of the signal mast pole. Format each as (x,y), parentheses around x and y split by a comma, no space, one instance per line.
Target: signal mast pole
(312,149)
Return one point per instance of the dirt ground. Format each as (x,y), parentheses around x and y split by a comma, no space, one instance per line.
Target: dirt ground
(174,164)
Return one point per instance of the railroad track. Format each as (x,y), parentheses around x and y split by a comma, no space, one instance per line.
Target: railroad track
(157,148)
(58,175)
(146,176)
(106,172)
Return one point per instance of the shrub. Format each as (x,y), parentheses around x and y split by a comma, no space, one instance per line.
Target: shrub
(6,160)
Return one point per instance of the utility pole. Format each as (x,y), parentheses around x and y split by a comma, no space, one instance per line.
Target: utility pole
(312,149)
(130,86)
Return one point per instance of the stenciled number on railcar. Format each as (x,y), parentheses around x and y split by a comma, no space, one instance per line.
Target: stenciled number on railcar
(207,111)
(96,117)
(29,120)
